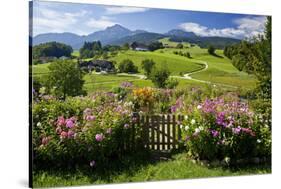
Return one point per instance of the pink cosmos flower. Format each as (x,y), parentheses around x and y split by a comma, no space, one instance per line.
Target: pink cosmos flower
(60,121)
(69,123)
(63,134)
(45,140)
(99,137)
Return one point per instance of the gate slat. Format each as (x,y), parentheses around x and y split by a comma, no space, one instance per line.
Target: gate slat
(174,131)
(163,132)
(168,131)
(147,140)
(158,132)
(152,133)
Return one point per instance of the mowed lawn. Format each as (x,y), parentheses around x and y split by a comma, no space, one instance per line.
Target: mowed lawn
(142,170)
(176,64)
(220,68)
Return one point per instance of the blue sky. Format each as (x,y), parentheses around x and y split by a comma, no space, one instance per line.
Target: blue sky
(84,19)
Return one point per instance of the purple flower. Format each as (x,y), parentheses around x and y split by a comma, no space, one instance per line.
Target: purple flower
(70,134)
(248,131)
(90,118)
(220,119)
(69,123)
(92,163)
(214,133)
(126,84)
(236,130)
(99,137)
(173,109)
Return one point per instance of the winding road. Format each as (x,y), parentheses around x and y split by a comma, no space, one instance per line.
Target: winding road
(185,76)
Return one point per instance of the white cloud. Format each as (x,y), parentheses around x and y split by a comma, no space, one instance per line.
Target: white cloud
(102,23)
(54,21)
(123,10)
(246,27)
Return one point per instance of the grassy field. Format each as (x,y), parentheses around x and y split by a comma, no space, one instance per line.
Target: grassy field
(143,170)
(220,70)
(176,64)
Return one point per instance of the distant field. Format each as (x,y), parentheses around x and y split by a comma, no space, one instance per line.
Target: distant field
(176,64)
(220,70)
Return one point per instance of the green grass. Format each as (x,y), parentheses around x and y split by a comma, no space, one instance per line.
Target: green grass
(142,170)
(220,70)
(176,64)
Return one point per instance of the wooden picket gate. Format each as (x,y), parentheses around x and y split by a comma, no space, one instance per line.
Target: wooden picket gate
(160,132)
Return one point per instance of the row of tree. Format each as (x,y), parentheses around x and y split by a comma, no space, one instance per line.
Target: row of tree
(51,49)
(254,57)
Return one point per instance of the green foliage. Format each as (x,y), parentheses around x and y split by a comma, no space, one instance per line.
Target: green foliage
(179,46)
(159,77)
(91,49)
(254,57)
(155,45)
(147,65)
(126,46)
(65,79)
(172,83)
(127,66)
(211,50)
(51,49)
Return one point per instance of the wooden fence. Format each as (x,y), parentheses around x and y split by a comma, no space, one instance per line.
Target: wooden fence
(158,132)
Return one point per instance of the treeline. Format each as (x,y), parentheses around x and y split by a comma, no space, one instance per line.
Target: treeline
(51,49)
(254,57)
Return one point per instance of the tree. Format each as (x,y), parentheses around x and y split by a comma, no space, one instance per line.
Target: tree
(91,49)
(155,45)
(211,50)
(160,76)
(51,49)
(65,79)
(254,57)
(127,66)
(147,65)
(179,46)
(126,46)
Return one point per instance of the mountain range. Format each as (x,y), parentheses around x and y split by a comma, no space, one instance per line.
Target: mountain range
(118,35)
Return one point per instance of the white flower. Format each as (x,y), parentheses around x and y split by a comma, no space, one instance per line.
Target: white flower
(259,141)
(193,121)
(39,124)
(186,127)
(181,126)
(197,130)
(199,107)
(201,128)
(185,117)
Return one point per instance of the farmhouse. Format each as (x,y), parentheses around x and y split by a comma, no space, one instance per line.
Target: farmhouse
(98,65)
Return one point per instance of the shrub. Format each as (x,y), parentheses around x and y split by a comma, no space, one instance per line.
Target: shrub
(179,46)
(211,50)
(160,76)
(220,128)
(127,66)
(172,83)
(147,65)
(80,130)
(65,79)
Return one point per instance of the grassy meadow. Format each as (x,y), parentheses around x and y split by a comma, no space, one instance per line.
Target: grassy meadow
(219,71)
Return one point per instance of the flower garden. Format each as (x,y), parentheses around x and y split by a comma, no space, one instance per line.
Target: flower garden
(90,131)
